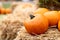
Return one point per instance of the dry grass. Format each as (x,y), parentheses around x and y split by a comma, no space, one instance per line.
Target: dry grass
(9,29)
(51,34)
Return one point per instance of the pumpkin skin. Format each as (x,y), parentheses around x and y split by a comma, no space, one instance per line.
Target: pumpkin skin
(53,17)
(59,15)
(59,25)
(37,25)
(8,10)
(2,10)
(41,11)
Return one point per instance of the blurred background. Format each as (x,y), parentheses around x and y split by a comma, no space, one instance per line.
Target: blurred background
(16,0)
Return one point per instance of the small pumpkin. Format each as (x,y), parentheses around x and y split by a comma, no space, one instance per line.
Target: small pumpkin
(41,10)
(2,10)
(38,24)
(59,15)
(53,17)
(8,10)
(59,25)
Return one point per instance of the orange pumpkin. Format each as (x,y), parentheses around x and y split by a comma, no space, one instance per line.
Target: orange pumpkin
(59,15)
(2,10)
(37,25)
(59,25)
(41,11)
(53,17)
(8,10)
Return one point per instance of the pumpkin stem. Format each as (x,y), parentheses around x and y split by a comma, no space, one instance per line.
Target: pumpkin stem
(32,16)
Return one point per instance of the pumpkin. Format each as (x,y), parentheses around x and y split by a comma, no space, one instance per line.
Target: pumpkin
(8,10)
(53,17)
(2,10)
(59,15)
(41,11)
(59,25)
(38,24)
